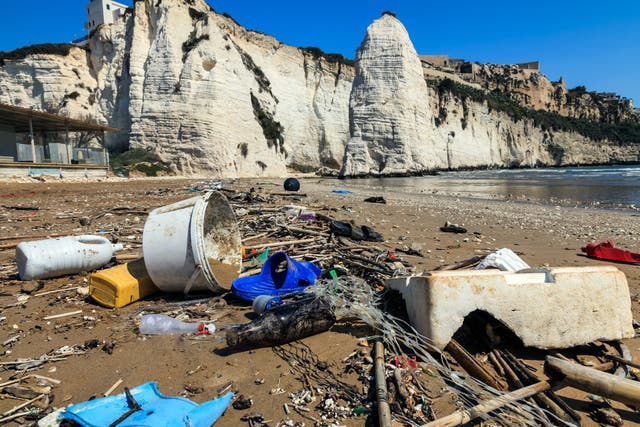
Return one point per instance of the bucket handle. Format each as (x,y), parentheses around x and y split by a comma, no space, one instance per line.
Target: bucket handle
(188,203)
(192,279)
(198,271)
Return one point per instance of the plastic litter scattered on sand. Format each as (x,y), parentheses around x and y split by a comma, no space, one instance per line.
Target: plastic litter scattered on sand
(161,324)
(280,276)
(42,259)
(144,405)
(504,259)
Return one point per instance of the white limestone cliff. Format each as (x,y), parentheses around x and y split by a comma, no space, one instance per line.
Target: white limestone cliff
(399,126)
(209,96)
(58,83)
(206,94)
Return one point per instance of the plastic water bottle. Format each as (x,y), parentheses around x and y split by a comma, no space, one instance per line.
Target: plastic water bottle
(42,259)
(285,323)
(161,324)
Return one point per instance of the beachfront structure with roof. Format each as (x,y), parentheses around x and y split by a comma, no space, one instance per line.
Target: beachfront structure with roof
(35,142)
(103,12)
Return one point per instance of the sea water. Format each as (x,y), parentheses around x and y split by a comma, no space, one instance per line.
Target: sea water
(605,186)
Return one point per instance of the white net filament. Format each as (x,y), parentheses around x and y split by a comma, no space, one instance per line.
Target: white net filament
(354,298)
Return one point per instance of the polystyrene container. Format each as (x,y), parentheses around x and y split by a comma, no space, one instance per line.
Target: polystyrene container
(193,245)
(42,259)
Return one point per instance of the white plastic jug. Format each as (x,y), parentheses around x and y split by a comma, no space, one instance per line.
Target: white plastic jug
(42,259)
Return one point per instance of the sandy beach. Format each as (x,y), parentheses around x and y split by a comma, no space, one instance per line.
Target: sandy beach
(199,367)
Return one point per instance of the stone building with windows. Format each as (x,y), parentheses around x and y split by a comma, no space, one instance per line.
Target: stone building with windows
(103,12)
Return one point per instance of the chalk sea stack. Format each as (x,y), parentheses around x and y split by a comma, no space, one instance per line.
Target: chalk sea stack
(389,114)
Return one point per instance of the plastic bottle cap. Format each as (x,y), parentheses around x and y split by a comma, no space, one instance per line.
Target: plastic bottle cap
(206,329)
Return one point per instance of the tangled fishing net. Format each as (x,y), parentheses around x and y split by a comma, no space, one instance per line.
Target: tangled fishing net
(354,298)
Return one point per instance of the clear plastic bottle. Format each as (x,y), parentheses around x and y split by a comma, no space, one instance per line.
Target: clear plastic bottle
(161,324)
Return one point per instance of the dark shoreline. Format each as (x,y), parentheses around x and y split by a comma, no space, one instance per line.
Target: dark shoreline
(435,172)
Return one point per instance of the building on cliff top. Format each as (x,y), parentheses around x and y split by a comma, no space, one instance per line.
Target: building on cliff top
(103,12)
(533,65)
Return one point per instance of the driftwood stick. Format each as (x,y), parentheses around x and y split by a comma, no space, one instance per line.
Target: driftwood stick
(32,237)
(365,267)
(352,245)
(461,264)
(22,405)
(369,261)
(513,378)
(257,236)
(288,194)
(509,373)
(113,387)
(127,257)
(282,243)
(542,399)
(323,217)
(530,378)
(623,361)
(43,378)
(305,231)
(13,417)
(58,316)
(496,364)
(471,365)
(466,415)
(384,411)
(17,380)
(55,291)
(593,381)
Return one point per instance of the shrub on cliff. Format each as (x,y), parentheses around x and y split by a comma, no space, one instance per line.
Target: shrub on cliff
(334,58)
(137,159)
(624,132)
(37,49)
(271,129)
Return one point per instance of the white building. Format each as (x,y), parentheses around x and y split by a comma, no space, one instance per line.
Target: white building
(103,12)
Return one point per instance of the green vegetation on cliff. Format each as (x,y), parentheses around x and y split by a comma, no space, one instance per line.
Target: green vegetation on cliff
(317,53)
(137,159)
(626,132)
(37,49)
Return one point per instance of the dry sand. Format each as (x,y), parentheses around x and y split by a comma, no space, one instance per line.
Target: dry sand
(541,234)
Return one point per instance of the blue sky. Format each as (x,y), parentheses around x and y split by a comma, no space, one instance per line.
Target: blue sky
(591,43)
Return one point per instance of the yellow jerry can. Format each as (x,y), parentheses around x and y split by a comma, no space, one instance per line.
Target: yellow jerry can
(121,285)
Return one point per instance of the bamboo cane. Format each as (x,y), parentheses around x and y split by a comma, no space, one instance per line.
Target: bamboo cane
(384,411)
(464,416)
(594,381)
(471,365)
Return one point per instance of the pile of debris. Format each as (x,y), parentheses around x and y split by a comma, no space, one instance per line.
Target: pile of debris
(306,271)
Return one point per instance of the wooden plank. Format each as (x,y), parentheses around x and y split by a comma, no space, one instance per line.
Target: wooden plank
(596,382)
(471,365)
(464,416)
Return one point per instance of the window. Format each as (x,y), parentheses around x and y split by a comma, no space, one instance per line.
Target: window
(108,6)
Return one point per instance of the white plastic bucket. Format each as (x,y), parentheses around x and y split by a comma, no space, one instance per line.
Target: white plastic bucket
(42,259)
(193,245)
